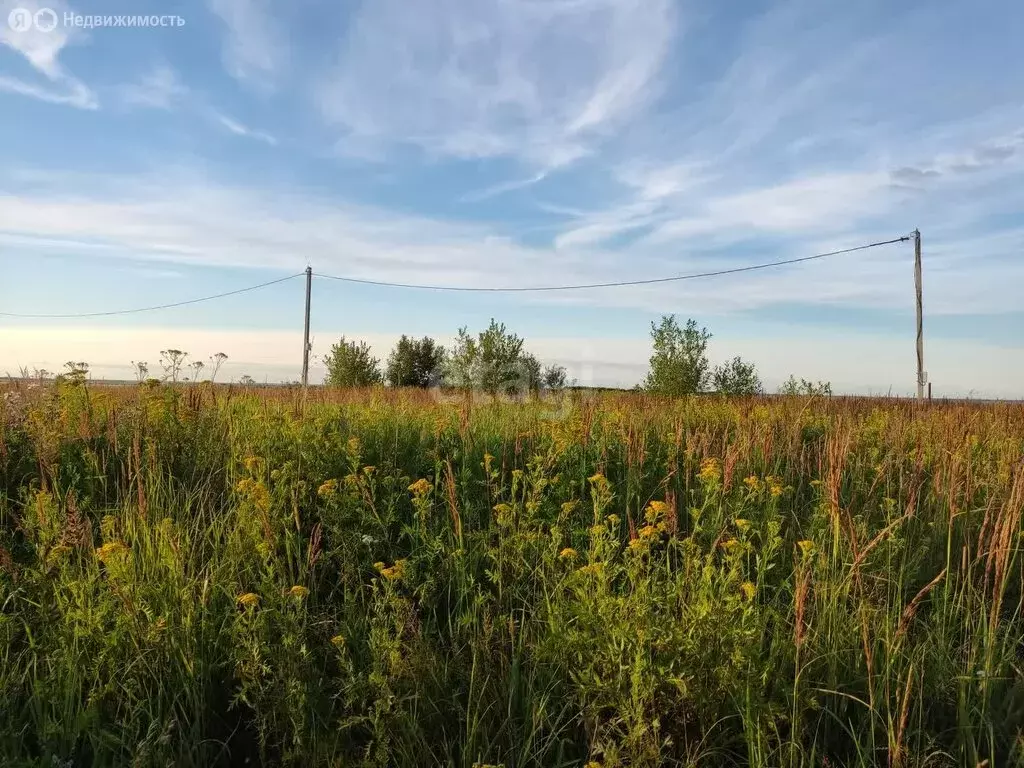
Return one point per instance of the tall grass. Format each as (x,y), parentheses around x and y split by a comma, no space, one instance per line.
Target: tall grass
(203,576)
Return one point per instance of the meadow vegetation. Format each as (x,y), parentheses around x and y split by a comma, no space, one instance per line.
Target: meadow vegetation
(199,575)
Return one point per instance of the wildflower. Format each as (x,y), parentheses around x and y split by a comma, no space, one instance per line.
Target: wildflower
(249,599)
(338,641)
(806,547)
(656,510)
(752,483)
(638,544)
(613,519)
(369,469)
(569,507)
(111,550)
(504,514)
(298,591)
(710,470)
(648,532)
(597,530)
(730,544)
(395,572)
(774,486)
(368,539)
(421,488)
(593,569)
(748,590)
(742,524)
(378,565)
(252,463)
(327,489)
(57,553)
(568,554)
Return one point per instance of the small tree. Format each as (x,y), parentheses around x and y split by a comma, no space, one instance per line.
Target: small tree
(172,360)
(414,363)
(531,373)
(679,365)
(555,377)
(804,387)
(350,364)
(492,361)
(737,378)
(216,362)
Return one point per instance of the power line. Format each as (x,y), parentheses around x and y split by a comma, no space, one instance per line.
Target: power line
(160,306)
(618,283)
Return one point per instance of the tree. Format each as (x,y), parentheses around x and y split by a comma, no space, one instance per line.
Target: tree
(350,364)
(555,377)
(737,377)
(171,360)
(679,365)
(414,363)
(804,387)
(492,361)
(216,362)
(531,374)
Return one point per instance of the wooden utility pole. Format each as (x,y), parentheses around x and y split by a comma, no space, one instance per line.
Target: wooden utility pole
(921,376)
(305,335)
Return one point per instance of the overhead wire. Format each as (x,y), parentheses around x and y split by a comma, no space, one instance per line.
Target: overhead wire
(158,306)
(613,284)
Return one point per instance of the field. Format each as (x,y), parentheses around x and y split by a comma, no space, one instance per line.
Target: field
(204,576)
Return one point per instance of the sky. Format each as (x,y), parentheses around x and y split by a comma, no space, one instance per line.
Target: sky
(516,143)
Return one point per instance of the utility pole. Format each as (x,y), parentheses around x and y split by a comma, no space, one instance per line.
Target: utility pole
(921,376)
(305,335)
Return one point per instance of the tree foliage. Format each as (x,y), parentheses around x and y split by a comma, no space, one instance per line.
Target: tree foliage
(415,362)
(738,378)
(350,364)
(491,361)
(804,387)
(679,364)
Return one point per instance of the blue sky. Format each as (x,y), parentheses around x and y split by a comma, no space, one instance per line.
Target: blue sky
(521,142)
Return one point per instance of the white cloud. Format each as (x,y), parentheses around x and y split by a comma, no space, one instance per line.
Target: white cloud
(538,81)
(159,89)
(42,50)
(238,129)
(254,50)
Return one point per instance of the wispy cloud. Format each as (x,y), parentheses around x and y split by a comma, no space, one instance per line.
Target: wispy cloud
(254,51)
(542,82)
(159,89)
(238,129)
(42,50)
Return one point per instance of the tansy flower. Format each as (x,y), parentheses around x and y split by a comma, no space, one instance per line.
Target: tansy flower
(742,524)
(748,590)
(249,599)
(569,507)
(338,641)
(613,519)
(752,482)
(327,489)
(111,550)
(252,463)
(421,487)
(806,547)
(597,530)
(774,486)
(655,510)
(593,568)
(568,554)
(298,591)
(395,572)
(710,470)
(730,544)
(379,566)
(648,532)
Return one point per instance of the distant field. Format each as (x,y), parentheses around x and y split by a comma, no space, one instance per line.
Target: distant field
(201,576)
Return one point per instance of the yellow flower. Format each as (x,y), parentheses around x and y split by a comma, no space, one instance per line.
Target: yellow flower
(710,470)
(298,591)
(252,463)
(742,524)
(421,488)
(593,568)
(369,469)
(392,573)
(593,764)
(379,565)
(249,599)
(338,641)
(327,489)
(503,514)
(648,532)
(774,486)
(748,589)
(613,519)
(752,483)
(655,510)
(638,544)
(569,507)
(597,530)
(111,550)
(568,554)
(730,544)
(806,547)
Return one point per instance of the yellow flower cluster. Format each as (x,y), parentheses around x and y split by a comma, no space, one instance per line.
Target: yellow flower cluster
(249,599)
(748,590)
(741,524)
(255,490)
(338,641)
(592,569)
(774,486)
(298,591)
(252,463)
(503,514)
(111,550)
(806,547)
(753,483)
(421,488)
(568,554)
(391,573)
(327,489)
(710,470)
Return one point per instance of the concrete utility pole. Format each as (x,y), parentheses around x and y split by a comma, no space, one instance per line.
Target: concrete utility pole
(921,375)
(305,335)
